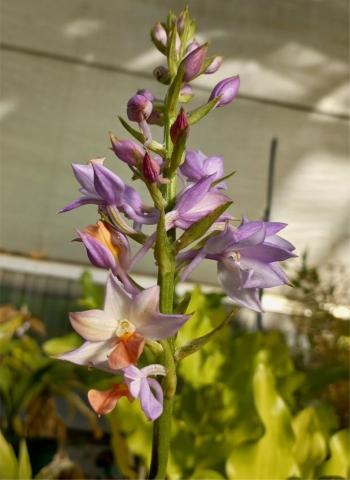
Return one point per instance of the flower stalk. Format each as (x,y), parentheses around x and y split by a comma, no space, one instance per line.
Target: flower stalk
(134,318)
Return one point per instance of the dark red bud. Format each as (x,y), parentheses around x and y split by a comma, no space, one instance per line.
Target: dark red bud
(150,168)
(179,126)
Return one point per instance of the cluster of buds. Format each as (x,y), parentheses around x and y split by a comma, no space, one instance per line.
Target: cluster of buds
(134,318)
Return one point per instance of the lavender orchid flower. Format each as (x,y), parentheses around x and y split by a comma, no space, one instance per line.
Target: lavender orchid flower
(137,385)
(108,248)
(146,389)
(247,259)
(195,202)
(197,166)
(100,186)
(115,336)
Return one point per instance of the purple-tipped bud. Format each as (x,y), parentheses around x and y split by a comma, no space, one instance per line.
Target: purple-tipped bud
(150,168)
(180,22)
(179,126)
(214,65)
(193,63)
(186,93)
(139,108)
(192,46)
(227,89)
(159,35)
(162,74)
(177,43)
(146,93)
(127,150)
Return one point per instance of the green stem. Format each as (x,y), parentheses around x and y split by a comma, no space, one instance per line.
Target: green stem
(166,281)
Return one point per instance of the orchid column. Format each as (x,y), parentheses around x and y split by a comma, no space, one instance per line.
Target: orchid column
(135,319)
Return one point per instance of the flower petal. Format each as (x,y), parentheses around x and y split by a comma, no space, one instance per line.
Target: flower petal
(144,304)
(126,352)
(277,241)
(161,325)
(84,175)
(99,255)
(192,195)
(250,233)
(265,253)
(108,185)
(117,300)
(151,405)
(79,202)
(90,354)
(261,274)
(104,401)
(93,325)
(231,278)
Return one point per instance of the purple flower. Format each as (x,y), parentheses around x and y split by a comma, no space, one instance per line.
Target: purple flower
(159,36)
(115,336)
(193,63)
(147,94)
(227,89)
(214,65)
(192,46)
(146,389)
(102,187)
(137,385)
(109,249)
(139,108)
(127,151)
(247,259)
(195,202)
(197,166)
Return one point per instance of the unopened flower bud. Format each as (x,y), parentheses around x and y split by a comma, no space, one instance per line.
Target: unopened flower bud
(186,93)
(159,37)
(162,74)
(179,126)
(150,168)
(127,150)
(146,93)
(192,46)
(180,22)
(139,108)
(227,89)
(106,247)
(177,43)
(214,65)
(193,63)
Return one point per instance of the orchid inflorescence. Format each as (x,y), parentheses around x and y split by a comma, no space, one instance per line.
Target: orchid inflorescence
(247,255)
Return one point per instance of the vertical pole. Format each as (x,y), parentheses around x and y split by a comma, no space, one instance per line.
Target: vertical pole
(267,211)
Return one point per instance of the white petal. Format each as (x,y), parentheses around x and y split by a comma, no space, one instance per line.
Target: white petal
(117,300)
(90,353)
(93,325)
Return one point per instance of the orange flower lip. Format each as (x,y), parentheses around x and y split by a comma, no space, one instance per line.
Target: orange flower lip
(101,232)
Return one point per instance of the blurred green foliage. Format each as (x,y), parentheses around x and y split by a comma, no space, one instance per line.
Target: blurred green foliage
(10,466)
(240,412)
(245,408)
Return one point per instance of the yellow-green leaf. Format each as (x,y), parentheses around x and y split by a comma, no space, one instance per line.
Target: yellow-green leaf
(339,462)
(8,461)
(24,467)
(271,456)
